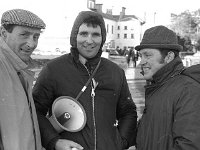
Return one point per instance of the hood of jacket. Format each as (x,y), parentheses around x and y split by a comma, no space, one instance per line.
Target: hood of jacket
(193,72)
(80,19)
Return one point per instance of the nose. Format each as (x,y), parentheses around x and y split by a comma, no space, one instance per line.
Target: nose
(89,39)
(31,43)
(142,61)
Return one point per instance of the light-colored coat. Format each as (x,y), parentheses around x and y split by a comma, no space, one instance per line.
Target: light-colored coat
(18,121)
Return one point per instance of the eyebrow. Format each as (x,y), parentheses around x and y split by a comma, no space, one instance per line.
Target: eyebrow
(97,33)
(83,32)
(145,52)
(30,33)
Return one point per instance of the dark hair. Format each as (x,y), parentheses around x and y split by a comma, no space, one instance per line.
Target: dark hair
(164,52)
(9,27)
(92,21)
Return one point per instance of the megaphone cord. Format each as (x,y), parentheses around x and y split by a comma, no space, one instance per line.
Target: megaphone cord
(89,80)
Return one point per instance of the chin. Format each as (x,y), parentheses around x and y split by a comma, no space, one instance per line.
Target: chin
(25,59)
(147,77)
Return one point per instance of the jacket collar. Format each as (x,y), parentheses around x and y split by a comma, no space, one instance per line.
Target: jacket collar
(175,67)
(92,62)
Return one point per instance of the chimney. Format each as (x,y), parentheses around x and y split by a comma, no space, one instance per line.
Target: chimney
(91,4)
(123,10)
(109,11)
(122,13)
(98,7)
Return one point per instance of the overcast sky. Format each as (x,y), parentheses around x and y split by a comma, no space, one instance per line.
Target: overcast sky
(138,6)
(60,14)
(162,8)
(57,13)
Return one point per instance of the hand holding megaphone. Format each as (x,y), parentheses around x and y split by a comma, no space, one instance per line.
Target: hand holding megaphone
(63,144)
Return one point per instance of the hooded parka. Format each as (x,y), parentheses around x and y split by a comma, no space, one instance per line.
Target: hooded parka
(111,113)
(171,118)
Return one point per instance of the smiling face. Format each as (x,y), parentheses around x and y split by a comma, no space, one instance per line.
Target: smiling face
(151,62)
(89,40)
(22,41)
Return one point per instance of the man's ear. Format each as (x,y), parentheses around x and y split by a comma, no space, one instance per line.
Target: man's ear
(3,32)
(170,56)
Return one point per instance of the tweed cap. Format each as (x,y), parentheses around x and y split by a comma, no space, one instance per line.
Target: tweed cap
(159,37)
(23,18)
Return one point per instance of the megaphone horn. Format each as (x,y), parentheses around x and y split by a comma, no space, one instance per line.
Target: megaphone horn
(67,114)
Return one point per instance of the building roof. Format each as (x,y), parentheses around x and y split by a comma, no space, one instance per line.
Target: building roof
(117,17)
(109,16)
(125,17)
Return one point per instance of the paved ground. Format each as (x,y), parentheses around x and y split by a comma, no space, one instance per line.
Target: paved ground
(136,87)
(133,73)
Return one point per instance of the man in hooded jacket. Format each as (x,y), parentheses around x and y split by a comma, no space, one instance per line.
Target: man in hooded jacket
(171,118)
(110,110)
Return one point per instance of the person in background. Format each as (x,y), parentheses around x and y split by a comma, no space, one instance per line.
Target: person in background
(19,33)
(110,110)
(131,57)
(171,118)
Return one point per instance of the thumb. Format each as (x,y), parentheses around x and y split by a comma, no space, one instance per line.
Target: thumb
(76,146)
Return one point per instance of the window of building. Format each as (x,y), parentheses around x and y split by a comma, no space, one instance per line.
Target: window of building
(125,27)
(112,29)
(125,36)
(118,28)
(132,36)
(118,35)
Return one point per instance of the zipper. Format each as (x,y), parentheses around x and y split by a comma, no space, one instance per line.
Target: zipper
(94,120)
(93,86)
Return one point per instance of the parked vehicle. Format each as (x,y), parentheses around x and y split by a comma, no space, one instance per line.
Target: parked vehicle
(112,52)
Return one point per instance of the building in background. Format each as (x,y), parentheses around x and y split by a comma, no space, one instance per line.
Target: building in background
(123,31)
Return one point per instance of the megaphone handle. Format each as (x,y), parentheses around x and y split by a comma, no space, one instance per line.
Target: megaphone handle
(62,119)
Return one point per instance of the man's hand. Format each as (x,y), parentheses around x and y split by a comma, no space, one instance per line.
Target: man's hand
(63,144)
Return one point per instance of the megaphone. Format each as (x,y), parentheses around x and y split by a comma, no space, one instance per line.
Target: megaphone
(67,114)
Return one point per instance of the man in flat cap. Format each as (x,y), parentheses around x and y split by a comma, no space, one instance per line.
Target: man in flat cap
(19,34)
(171,118)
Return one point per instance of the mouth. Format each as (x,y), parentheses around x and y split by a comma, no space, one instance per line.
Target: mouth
(89,47)
(145,69)
(26,52)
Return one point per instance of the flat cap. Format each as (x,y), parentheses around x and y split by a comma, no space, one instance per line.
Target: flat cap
(23,18)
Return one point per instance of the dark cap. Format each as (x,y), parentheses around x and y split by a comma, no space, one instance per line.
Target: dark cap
(23,18)
(159,37)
